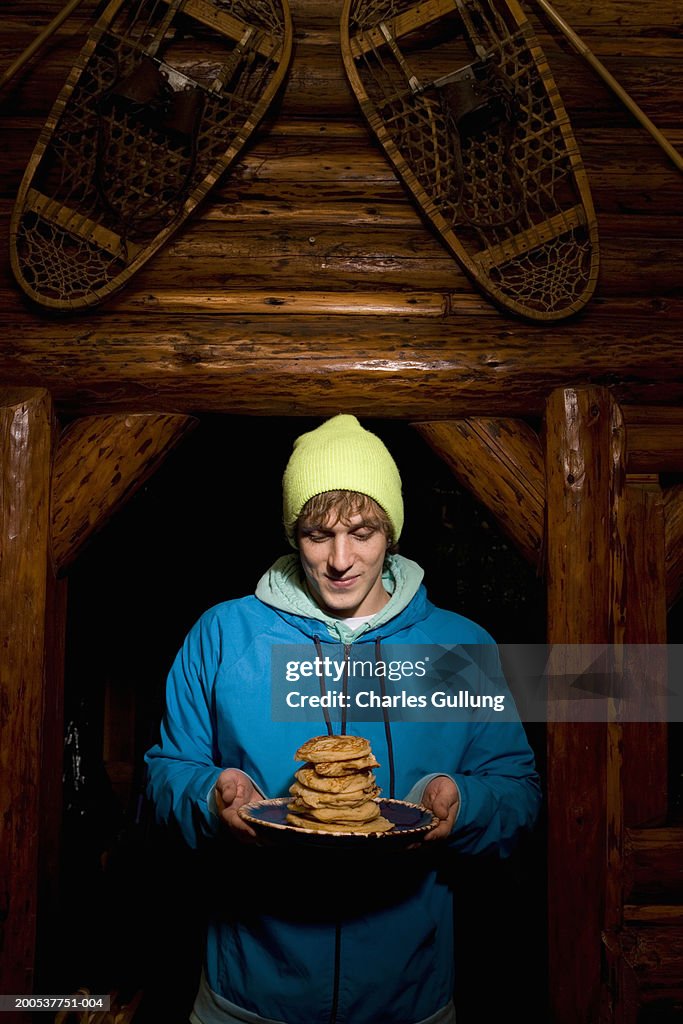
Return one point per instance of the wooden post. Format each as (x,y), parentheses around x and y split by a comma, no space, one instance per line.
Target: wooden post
(26,435)
(99,463)
(673,535)
(585,481)
(645,774)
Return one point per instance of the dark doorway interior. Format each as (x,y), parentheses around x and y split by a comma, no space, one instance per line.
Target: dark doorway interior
(203,530)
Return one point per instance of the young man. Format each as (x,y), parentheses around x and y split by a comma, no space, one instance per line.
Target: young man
(305,935)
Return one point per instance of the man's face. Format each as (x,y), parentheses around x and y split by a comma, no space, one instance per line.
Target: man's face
(343,565)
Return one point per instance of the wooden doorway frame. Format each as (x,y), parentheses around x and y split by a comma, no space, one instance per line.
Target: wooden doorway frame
(610,519)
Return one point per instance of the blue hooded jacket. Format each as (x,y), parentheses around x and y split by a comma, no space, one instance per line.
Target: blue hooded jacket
(316,936)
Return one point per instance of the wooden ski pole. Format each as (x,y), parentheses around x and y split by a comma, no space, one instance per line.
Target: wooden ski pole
(609,79)
(39,41)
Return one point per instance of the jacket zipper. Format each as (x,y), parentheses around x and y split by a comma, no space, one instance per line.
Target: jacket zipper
(345,686)
(337,971)
(338,927)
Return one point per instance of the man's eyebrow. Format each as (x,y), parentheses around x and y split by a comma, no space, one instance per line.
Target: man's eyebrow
(365,524)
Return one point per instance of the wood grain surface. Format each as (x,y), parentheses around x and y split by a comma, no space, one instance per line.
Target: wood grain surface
(26,440)
(310,265)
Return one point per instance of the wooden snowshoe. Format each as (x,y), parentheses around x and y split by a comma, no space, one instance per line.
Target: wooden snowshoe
(461,98)
(161,100)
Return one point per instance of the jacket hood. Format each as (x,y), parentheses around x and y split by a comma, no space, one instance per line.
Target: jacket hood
(284,588)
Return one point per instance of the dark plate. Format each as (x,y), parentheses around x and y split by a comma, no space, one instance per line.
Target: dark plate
(268,818)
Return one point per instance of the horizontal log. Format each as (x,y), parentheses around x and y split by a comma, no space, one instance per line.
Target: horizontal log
(377,261)
(277,206)
(653,415)
(230,241)
(653,865)
(360,187)
(623,15)
(654,913)
(211,259)
(316,125)
(292,140)
(656,447)
(414,367)
(664,18)
(644,292)
(352,168)
(380,303)
(218,256)
(242,299)
(314,207)
(317,85)
(229,284)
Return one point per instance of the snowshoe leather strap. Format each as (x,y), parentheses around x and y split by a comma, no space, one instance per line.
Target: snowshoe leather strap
(478,96)
(146,92)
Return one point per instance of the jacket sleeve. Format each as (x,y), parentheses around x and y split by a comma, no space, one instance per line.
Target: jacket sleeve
(500,792)
(182,768)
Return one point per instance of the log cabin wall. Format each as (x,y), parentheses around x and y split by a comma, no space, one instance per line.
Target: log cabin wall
(308,284)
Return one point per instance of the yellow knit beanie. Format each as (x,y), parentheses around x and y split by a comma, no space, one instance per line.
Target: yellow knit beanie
(340,455)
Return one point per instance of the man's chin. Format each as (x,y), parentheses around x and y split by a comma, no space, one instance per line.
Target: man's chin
(339,604)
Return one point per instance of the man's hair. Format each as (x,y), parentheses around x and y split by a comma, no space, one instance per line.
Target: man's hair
(344,505)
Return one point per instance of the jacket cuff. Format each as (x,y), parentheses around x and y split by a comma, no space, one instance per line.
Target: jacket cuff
(211,795)
(416,793)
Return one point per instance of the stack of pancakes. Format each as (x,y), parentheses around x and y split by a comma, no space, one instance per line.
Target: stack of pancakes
(335,790)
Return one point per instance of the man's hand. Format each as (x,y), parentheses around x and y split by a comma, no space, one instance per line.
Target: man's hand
(442,798)
(233,789)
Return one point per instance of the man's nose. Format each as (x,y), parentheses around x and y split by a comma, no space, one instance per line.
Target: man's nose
(340,553)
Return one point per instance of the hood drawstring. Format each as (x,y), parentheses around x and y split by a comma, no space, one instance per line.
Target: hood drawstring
(321,681)
(323,689)
(387,725)
(385,714)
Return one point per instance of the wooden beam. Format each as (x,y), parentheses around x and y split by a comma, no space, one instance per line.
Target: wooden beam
(421,368)
(645,769)
(274,301)
(101,461)
(500,461)
(585,481)
(673,533)
(26,436)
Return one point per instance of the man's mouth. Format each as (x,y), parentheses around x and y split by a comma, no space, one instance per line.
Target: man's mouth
(341,584)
